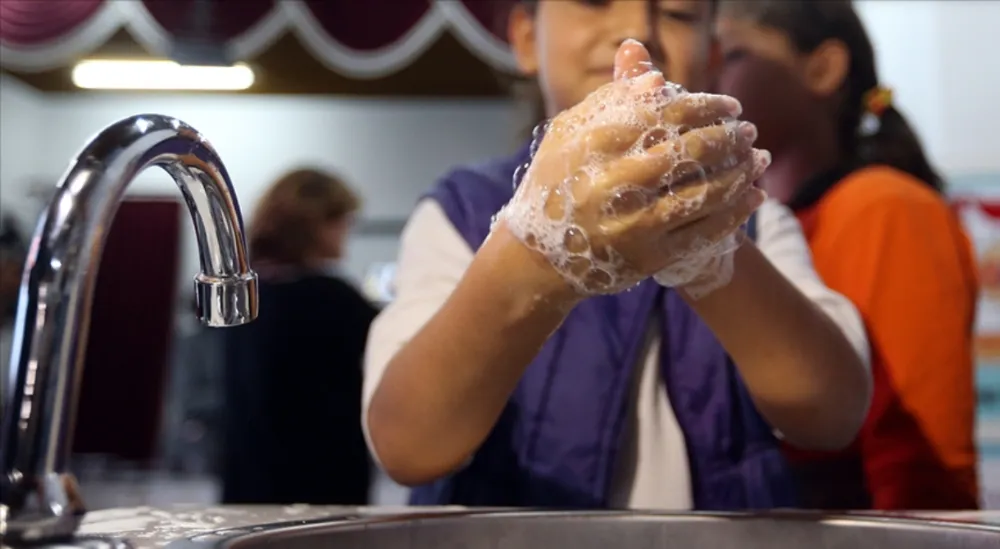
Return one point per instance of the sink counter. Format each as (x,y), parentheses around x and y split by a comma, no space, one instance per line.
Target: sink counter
(149,528)
(152,527)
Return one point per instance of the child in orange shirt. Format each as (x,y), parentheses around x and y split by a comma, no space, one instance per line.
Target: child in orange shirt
(881,234)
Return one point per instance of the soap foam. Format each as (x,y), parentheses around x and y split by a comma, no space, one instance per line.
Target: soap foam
(704,269)
(544,215)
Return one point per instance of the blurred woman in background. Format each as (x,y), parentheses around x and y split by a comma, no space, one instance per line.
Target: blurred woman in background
(881,233)
(13,253)
(293,377)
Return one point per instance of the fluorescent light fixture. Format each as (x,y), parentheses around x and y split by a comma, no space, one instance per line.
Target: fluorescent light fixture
(109,74)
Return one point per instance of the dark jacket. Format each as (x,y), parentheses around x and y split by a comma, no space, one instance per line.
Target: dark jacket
(293,396)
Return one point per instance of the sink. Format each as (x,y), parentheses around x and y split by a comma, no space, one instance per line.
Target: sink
(604,530)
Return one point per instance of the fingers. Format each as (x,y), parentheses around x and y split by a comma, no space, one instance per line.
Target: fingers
(610,138)
(698,197)
(679,113)
(713,145)
(686,112)
(701,150)
(634,69)
(695,110)
(632,60)
(718,225)
(634,65)
(719,188)
(689,202)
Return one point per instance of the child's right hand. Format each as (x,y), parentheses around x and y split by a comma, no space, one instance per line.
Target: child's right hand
(638,179)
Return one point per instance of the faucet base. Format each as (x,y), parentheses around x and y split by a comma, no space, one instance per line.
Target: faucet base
(57,517)
(79,542)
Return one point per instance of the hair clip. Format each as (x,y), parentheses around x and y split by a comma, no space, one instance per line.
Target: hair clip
(877,100)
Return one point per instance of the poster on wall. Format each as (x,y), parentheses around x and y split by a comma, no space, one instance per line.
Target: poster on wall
(981,217)
(977,200)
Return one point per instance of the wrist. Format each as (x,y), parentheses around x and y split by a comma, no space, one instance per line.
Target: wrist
(701,275)
(719,287)
(526,271)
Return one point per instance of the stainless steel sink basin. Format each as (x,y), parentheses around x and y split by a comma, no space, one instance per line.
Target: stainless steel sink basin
(605,530)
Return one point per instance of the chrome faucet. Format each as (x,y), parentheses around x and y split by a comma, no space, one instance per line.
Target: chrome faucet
(40,501)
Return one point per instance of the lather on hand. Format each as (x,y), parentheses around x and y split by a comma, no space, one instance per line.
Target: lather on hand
(640,178)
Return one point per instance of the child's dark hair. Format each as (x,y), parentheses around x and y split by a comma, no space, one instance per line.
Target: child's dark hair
(810,23)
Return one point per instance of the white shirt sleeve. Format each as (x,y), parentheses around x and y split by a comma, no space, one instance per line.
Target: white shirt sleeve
(433,257)
(780,239)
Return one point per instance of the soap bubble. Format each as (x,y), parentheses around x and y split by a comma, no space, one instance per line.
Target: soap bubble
(557,203)
(673,90)
(685,173)
(627,200)
(537,135)
(706,268)
(654,137)
(575,240)
(519,173)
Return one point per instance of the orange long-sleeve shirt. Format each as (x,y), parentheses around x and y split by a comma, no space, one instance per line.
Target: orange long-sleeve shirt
(893,246)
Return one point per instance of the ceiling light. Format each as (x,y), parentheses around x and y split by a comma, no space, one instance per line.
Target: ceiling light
(108,74)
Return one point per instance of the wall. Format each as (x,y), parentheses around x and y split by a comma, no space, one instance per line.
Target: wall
(908,59)
(938,58)
(20,151)
(969,80)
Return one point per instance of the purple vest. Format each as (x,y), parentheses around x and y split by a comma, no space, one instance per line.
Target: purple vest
(556,442)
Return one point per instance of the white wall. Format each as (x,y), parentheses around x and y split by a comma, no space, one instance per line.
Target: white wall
(20,151)
(940,59)
(390,151)
(969,81)
(907,40)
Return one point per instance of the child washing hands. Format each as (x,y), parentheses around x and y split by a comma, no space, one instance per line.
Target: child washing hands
(520,387)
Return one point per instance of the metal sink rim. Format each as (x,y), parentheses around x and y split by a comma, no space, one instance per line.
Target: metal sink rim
(225,538)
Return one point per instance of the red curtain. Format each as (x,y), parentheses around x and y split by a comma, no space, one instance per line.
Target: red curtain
(362,38)
(128,350)
(29,23)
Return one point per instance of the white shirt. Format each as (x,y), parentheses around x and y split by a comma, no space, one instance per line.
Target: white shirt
(653,470)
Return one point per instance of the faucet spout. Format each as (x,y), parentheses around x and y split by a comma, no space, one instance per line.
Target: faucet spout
(39,500)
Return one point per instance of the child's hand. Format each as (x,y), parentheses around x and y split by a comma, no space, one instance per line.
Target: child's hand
(639,178)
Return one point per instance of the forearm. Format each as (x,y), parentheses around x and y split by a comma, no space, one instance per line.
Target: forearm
(442,393)
(809,383)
